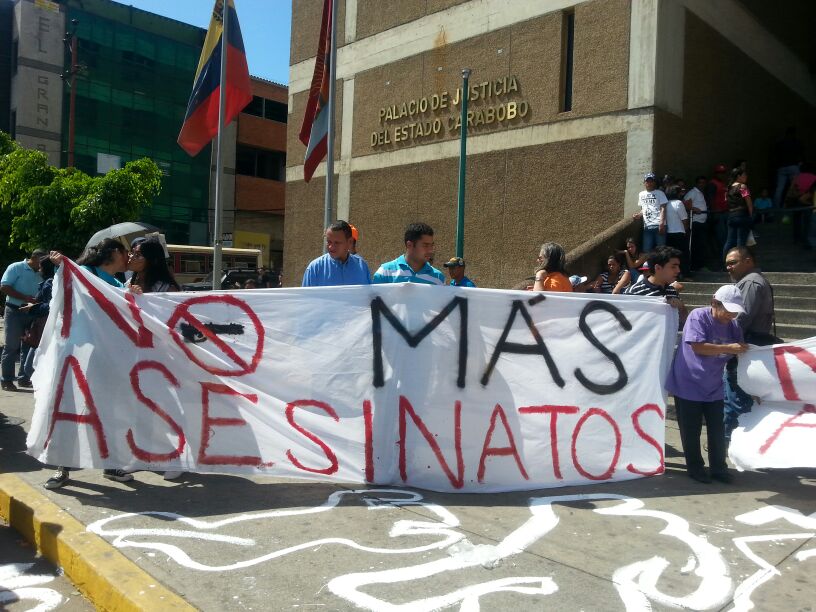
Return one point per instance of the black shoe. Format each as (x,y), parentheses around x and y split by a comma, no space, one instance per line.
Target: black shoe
(723,477)
(24,383)
(700,476)
(7,385)
(117,475)
(59,478)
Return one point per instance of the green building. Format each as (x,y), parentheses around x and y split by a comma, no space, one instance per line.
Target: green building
(136,75)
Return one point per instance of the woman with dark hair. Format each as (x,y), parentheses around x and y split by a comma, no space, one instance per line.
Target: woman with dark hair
(148,263)
(740,210)
(151,274)
(104,260)
(39,310)
(634,258)
(551,274)
(615,278)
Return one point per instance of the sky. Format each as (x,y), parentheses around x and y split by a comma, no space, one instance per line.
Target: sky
(265,26)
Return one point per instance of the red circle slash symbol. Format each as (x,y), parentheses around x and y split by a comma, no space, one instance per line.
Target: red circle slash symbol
(182,312)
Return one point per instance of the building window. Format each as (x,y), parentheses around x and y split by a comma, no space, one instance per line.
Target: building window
(267,109)
(567,56)
(259,162)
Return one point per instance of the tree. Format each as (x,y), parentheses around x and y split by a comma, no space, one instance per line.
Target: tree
(43,206)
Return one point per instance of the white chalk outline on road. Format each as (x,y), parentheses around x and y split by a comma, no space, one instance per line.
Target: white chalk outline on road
(766,571)
(17,585)
(636,583)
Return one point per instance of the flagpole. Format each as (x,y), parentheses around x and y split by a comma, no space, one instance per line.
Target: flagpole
(327,210)
(219,154)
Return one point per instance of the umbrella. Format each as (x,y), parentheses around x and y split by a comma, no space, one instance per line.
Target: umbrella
(123,232)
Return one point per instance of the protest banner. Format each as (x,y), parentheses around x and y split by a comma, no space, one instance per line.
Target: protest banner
(449,389)
(780,430)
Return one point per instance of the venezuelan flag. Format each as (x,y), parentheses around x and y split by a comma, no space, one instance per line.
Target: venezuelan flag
(201,121)
(314,132)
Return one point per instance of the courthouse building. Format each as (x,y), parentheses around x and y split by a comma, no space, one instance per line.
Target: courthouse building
(570,103)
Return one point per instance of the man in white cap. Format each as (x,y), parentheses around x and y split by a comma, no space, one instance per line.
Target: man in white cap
(711,336)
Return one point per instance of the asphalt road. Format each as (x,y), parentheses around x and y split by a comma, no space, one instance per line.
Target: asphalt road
(229,542)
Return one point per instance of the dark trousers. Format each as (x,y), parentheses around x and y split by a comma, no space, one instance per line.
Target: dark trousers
(698,245)
(690,415)
(680,242)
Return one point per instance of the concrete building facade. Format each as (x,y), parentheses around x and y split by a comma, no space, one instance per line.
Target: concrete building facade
(570,103)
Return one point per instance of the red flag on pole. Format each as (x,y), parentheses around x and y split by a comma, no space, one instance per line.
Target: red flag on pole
(314,132)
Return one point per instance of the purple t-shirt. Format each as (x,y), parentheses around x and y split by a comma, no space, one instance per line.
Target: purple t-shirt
(699,377)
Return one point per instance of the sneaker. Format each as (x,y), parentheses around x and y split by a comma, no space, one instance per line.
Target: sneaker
(117,475)
(59,478)
(173,474)
(25,383)
(8,386)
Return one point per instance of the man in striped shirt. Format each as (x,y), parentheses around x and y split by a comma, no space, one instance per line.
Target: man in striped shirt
(414,266)
(664,267)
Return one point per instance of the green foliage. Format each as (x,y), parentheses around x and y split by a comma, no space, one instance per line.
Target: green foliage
(43,206)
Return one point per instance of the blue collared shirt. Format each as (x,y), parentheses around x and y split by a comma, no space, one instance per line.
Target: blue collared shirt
(325,271)
(465,282)
(108,278)
(398,271)
(20,277)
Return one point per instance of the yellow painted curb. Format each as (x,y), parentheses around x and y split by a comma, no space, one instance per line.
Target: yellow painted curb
(104,575)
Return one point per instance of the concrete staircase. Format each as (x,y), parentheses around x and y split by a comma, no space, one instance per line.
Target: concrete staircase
(794,299)
(788,266)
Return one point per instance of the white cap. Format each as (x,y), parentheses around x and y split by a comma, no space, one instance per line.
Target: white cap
(731,298)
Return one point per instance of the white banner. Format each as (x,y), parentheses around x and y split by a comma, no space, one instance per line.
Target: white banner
(449,389)
(780,430)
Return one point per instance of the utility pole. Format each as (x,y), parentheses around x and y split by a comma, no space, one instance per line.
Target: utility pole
(460,209)
(72,37)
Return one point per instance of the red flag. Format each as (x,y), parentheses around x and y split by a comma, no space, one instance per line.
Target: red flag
(314,132)
(201,121)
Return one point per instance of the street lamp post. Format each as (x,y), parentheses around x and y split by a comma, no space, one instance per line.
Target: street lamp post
(460,210)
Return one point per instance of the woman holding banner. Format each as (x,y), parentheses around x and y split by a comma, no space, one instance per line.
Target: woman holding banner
(711,336)
(105,260)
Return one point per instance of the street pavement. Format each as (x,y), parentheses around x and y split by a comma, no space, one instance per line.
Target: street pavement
(259,543)
(28,582)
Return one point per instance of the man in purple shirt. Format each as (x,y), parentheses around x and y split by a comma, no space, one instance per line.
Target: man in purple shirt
(711,336)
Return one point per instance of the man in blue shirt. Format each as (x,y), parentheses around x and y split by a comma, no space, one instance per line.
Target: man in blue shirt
(456,269)
(20,282)
(339,266)
(414,266)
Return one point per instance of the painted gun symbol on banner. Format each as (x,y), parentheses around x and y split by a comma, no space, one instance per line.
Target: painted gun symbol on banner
(191,334)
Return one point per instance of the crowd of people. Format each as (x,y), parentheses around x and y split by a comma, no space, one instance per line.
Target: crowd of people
(703,374)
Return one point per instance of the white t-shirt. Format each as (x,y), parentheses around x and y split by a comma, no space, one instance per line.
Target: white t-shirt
(697,201)
(650,203)
(675,215)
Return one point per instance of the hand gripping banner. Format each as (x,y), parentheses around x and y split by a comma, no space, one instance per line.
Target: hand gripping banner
(443,388)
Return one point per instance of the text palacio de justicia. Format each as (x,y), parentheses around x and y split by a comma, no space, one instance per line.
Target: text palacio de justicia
(496,103)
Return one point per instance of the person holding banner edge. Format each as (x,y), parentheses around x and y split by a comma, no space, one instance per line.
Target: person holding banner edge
(711,336)
(104,260)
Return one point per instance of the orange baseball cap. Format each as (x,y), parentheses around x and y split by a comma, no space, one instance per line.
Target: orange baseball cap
(354,233)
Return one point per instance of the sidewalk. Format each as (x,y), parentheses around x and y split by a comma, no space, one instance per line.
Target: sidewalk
(216,542)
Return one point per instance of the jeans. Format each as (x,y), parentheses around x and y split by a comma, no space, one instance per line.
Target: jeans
(28,366)
(15,323)
(652,238)
(690,415)
(736,401)
(698,243)
(784,174)
(738,228)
